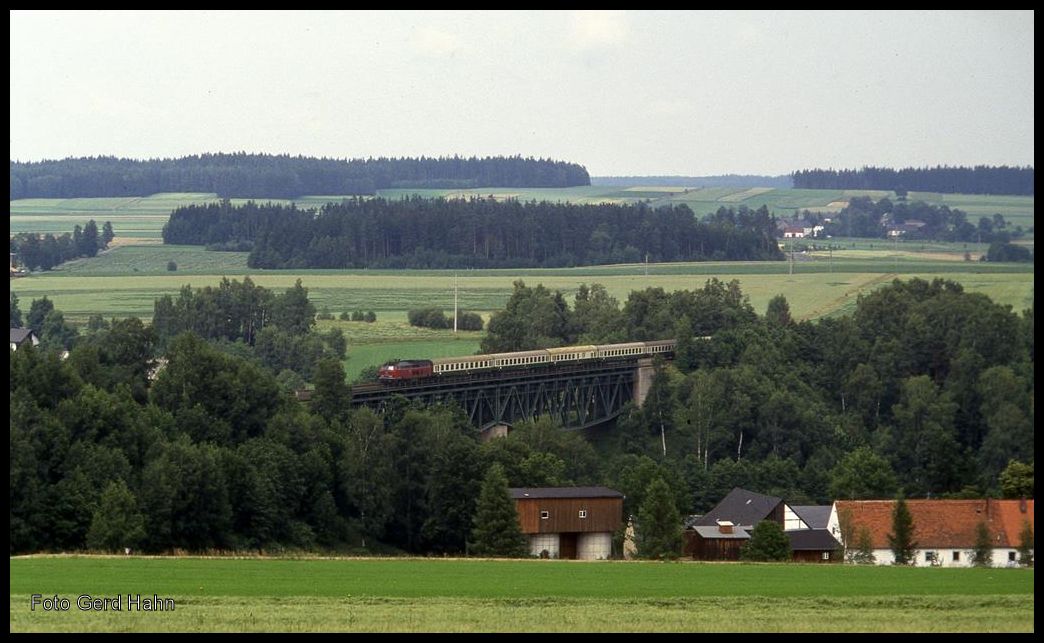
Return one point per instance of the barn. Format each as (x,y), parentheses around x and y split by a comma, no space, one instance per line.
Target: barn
(569,522)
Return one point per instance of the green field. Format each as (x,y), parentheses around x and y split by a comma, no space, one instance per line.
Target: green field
(810,290)
(361,355)
(476,595)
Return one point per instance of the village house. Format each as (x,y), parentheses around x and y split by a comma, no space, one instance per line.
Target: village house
(20,336)
(943,530)
(569,522)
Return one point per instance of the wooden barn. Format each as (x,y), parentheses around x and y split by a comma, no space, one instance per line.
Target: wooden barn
(720,542)
(569,522)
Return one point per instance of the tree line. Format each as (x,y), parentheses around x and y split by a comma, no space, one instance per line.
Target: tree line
(475,233)
(923,387)
(34,251)
(980,179)
(267,176)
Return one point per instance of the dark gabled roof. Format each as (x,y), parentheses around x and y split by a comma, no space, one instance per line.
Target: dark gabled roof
(19,335)
(812,539)
(521,493)
(742,507)
(815,516)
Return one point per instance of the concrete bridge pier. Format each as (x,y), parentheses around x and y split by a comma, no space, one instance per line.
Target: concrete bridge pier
(643,377)
(495,431)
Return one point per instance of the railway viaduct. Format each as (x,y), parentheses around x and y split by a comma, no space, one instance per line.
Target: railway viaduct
(578,395)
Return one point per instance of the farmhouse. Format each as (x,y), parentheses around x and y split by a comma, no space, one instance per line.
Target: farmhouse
(569,522)
(20,336)
(944,530)
(719,534)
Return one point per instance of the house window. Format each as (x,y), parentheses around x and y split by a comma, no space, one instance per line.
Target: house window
(1011,557)
(826,555)
(956,556)
(544,515)
(929,556)
(583,513)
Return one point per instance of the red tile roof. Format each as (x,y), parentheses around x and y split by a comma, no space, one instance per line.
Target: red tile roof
(942,523)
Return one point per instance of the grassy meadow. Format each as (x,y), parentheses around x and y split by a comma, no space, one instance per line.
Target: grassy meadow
(255,594)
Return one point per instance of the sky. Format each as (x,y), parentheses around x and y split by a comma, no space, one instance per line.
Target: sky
(688,93)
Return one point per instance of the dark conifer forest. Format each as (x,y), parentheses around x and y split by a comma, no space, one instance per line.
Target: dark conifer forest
(477,233)
(267,176)
(981,179)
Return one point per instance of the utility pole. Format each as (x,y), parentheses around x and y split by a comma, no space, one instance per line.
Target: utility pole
(454,303)
(646,264)
(791,255)
(831,258)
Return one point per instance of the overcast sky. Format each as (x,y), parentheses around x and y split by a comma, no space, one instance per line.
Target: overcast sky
(622,93)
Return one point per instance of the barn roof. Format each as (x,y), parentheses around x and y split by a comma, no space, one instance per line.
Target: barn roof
(714,533)
(812,540)
(815,516)
(521,493)
(742,507)
(942,523)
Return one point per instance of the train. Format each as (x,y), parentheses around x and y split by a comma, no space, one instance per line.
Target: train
(401,370)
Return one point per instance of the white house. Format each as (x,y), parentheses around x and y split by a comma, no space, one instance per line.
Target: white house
(944,530)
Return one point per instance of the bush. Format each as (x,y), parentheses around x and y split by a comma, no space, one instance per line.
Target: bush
(767,543)
(172,266)
(469,321)
(344,316)
(370,317)
(358,315)
(429,318)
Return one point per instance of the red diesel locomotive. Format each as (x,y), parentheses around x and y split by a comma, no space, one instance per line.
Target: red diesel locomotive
(405,370)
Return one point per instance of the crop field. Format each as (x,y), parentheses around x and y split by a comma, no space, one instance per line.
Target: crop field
(221,594)
(815,280)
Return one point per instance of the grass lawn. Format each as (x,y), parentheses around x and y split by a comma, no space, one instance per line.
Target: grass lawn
(477,595)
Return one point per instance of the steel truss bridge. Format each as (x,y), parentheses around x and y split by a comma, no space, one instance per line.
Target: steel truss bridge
(577,395)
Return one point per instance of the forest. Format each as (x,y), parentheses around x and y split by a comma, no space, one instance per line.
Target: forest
(981,179)
(267,176)
(475,233)
(924,388)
